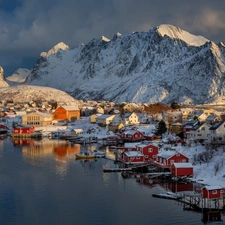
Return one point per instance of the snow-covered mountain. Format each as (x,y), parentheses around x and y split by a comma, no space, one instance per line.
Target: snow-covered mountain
(163,65)
(27,93)
(3,83)
(19,76)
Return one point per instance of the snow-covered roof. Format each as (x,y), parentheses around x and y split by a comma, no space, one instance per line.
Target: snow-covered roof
(213,187)
(133,154)
(216,125)
(70,107)
(183,165)
(131,144)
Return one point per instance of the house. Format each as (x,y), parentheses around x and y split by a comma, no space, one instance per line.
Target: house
(200,131)
(23,130)
(217,132)
(181,169)
(67,112)
(115,126)
(148,150)
(104,119)
(3,129)
(211,119)
(187,127)
(170,157)
(132,157)
(130,118)
(38,119)
(93,118)
(132,135)
(176,128)
(212,192)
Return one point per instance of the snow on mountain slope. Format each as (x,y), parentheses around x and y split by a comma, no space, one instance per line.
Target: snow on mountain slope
(26,93)
(19,76)
(176,32)
(163,65)
(3,83)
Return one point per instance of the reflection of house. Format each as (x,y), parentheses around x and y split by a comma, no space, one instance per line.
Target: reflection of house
(37,119)
(67,112)
(182,169)
(168,158)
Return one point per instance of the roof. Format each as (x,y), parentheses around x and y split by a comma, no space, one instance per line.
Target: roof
(168,154)
(105,116)
(131,144)
(211,117)
(216,125)
(197,126)
(70,107)
(183,165)
(214,187)
(133,154)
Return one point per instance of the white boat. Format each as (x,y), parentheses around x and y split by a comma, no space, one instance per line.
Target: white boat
(168,195)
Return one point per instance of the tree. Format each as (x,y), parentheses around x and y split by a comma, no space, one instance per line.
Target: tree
(174,105)
(161,127)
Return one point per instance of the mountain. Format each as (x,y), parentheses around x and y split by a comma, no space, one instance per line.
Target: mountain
(19,76)
(27,93)
(164,64)
(3,83)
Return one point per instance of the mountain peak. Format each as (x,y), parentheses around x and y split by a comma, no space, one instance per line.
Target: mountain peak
(55,49)
(177,33)
(3,83)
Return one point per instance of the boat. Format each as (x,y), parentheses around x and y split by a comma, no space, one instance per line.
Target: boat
(168,195)
(85,155)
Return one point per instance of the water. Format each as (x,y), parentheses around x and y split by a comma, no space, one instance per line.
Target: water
(42,183)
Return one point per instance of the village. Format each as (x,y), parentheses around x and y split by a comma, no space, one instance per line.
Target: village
(134,127)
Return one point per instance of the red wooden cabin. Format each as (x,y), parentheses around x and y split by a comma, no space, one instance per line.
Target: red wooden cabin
(148,150)
(212,191)
(132,135)
(23,130)
(132,157)
(181,169)
(169,157)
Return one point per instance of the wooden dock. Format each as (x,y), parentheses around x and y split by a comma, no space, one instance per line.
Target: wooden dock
(108,170)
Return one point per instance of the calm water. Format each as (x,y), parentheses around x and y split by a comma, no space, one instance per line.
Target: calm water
(42,183)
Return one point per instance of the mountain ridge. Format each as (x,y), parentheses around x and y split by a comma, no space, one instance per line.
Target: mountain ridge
(139,67)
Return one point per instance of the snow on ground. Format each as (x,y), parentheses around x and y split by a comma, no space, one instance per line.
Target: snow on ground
(209,165)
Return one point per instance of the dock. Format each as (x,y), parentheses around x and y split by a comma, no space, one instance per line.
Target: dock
(108,170)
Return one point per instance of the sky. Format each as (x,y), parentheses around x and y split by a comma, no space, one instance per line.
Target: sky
(29,27)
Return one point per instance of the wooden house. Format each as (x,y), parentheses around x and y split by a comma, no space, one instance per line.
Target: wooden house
(132,157)
(200,131)
(181,169)
(23,130)
(67,112)
(104,119)
(38,119)
(130,146)
(130,118)
(168,158)
(148,150)
(176,128)
(212,191)
(132,135)
(217,131)
(115,126)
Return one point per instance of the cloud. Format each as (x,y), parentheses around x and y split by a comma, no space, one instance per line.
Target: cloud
(29,27)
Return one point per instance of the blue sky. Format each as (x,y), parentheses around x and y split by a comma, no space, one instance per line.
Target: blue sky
(29,27)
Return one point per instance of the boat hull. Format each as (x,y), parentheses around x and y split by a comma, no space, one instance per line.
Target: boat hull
(85,156)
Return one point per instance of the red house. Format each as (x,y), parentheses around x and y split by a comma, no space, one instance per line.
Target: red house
(181,169)
(132,157)
(167,158)
(148,150)
(132,135)
(212,191)
(23,130)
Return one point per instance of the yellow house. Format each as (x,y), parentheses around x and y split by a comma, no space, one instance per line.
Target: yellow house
(115,126)
(38,119)
(176,128)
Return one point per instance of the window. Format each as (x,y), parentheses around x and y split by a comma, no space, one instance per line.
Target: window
(183,160)
(150,150)
(137,157)
(214,192)
(146,156)
(171,162)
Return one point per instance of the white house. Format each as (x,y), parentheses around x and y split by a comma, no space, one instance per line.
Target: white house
(217,132)
(130,119)
(200,131)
